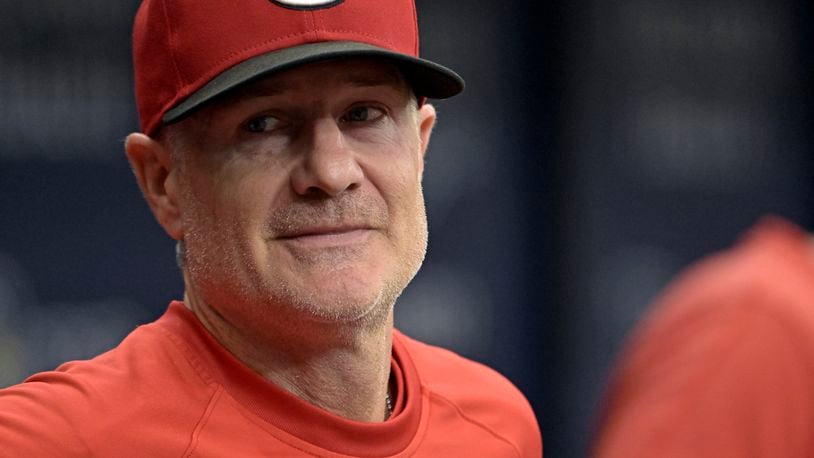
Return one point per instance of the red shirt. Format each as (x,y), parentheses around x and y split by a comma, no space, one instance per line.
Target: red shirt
(724,364)
(170,389)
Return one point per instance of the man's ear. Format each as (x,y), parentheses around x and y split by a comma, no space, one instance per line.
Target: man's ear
(426,121)
(157,177)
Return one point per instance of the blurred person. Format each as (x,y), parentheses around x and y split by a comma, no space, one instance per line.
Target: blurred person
(282,145)
(723,365)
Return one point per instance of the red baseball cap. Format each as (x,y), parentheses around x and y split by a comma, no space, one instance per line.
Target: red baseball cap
(186,52)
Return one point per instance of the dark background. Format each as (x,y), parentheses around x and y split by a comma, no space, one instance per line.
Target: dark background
(598,149)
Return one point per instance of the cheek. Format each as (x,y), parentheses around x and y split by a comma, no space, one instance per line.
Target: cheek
(246,181)
(230,201)
(402,192)
(397,177)
(395,164)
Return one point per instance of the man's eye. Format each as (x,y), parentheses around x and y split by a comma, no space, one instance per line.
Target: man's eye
(362,113)
(262,124)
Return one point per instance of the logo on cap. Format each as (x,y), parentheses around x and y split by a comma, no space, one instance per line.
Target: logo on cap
(307,4)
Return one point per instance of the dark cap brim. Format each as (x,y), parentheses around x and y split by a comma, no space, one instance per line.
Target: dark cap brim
(427,78)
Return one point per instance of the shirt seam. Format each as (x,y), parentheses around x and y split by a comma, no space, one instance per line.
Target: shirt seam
(265,426)
(196,432)
(196,364)
(467,418)
(81,439)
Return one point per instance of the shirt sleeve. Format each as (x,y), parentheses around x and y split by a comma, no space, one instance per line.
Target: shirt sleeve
(730,379)
(32,423)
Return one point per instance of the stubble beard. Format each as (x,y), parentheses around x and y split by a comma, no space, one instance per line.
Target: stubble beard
(227,278)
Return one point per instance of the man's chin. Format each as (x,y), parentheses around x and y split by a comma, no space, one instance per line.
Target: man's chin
(342,304)
(329,258)
(345,306)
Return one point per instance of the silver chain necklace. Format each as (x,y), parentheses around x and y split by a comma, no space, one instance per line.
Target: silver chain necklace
(388,406)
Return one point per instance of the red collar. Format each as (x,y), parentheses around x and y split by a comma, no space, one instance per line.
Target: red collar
(292,414)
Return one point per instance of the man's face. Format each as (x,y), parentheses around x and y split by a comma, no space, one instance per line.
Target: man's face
(301,194)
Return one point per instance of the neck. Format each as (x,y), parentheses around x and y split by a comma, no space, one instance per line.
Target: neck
(343,368)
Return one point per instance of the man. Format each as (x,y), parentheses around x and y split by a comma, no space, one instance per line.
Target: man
(723,365)
(282,146)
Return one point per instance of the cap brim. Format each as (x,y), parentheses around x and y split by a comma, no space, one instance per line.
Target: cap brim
(427,78)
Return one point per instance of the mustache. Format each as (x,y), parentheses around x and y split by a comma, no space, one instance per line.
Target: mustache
(345,210)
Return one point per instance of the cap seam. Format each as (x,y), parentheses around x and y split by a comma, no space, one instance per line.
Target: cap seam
(181,94)
(285,37)
(217,70)
(172,45)
(314,25)
(415,29)
(356,32)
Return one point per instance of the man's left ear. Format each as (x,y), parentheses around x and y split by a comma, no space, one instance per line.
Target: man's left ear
(426,121)
(158,179)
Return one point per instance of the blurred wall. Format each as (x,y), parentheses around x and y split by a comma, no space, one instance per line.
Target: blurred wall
(81,261)
(682,124)
(598,148)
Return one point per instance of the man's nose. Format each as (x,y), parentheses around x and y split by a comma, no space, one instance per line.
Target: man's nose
(328,164)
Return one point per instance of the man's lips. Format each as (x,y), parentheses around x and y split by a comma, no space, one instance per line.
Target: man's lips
(325,236)
(322,231)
